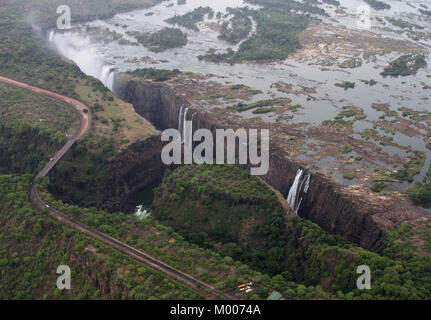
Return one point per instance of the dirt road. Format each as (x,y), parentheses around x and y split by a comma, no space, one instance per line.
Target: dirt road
(138,255)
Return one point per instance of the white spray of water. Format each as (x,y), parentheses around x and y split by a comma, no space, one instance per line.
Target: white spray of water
(80,50)
(141,213)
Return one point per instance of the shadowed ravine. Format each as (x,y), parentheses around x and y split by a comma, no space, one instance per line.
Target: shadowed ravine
(323,203)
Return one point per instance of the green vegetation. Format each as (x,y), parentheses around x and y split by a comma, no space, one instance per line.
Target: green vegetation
(264,110)
(26,57)
(313,263)
(276,33)
(349,175)
(161,40)
(378,186)
(295,107)
(246,217)
(237,28)
(401,272)
(214,96)
(385,108)
(346,85)
(282,6)
(41,122)
(212,56)
(319,265)
(402,24)
(351,63)
(32,246)
(420,193)
(164,243)
(415,115)
(351,112)
(155,74)
(20,106)
(190,19)
(241,107)
(371,82)
(378,5)
(412,167)
(367,134)
(346,149)
(338,124)
(44,12)
(310,263)
(405,65)
(26,143)
(245,88)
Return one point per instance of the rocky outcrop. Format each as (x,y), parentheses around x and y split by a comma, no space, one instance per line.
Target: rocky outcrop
(324,203)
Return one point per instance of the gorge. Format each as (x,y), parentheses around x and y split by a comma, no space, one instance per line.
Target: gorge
(337,208)
(316,198)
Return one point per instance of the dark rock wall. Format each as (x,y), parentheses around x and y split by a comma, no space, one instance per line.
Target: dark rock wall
(323,204)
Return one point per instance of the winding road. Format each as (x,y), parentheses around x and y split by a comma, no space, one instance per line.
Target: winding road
(136,254)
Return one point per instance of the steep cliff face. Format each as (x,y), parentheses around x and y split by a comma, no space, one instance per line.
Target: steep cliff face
(326,205)
(155,102)
(132,170)
(115,187)
(341,214)
(322,204)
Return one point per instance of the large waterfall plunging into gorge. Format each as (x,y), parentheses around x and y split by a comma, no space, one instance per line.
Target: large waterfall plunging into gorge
(80,50)
(299,188)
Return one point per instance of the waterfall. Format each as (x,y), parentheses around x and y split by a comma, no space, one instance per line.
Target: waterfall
(293,192)
(190,145)
(141,212)
(307,183)
(81,51)
(110,81)
(185,127)
(299,187)
(107,76)
(180,122)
